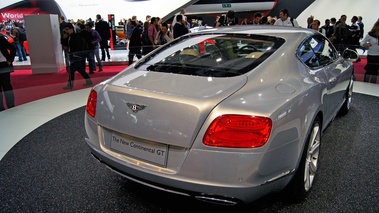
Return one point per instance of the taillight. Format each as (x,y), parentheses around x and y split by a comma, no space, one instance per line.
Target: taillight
(238,131)
(91,103)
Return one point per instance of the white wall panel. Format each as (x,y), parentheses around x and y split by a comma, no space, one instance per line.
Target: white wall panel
(326,9)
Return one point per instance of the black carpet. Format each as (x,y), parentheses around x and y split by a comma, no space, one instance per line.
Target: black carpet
(51,170)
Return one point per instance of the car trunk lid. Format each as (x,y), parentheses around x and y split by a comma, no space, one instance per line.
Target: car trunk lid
(162,107)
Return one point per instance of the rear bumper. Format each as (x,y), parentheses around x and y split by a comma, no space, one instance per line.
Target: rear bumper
(226,194)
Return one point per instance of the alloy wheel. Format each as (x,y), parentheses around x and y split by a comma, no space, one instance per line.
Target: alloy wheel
(312,157)
(349,97)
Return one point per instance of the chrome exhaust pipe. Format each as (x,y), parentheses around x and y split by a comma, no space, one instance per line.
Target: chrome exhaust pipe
(217,200)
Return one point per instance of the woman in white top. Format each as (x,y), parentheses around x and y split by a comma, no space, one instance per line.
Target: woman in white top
(370,41)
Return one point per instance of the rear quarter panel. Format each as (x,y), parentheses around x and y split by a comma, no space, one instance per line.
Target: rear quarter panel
(282,89)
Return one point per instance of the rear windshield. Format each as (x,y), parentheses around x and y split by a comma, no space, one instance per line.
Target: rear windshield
(217,55)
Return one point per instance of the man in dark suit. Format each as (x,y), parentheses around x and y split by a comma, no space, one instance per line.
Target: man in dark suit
(180,28)
(7,54)
(102,27)
(135,42)
(64,40)
(77,56)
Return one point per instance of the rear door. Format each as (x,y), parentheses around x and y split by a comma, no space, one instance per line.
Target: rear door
(314,53)
(335,70)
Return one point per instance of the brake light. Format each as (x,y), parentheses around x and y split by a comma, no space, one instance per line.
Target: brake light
(238,131)
(91,103)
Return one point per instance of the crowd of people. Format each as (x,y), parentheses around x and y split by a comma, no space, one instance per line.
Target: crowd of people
(339,32)
(148,34)
(89,40)
(352,36)
(143,37)
(15,32)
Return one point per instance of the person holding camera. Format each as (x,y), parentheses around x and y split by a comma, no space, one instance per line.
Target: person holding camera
(164,35)
(228,19)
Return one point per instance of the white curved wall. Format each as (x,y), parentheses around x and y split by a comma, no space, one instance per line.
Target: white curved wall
(84,9)
(326,9)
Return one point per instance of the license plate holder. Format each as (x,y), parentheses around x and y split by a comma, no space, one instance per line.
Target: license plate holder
(152,152)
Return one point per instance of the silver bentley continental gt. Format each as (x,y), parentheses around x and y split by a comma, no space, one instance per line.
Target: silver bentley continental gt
(225,115)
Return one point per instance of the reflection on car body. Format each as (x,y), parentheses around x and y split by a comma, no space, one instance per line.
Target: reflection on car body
(236,113)
(199,28)
(6,36)
(120,35)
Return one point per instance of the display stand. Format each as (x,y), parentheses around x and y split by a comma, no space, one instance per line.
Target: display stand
(43,36)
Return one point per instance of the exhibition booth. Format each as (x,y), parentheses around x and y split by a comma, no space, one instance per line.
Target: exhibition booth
(45,165)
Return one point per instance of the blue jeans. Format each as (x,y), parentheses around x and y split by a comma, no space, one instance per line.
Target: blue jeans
(90,55)
(21,53)
(97,56)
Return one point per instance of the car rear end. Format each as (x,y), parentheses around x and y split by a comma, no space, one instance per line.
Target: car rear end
(164,126)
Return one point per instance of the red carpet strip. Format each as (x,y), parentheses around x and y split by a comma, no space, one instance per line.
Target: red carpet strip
(30,87)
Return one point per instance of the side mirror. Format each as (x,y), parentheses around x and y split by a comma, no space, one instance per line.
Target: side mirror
(350,55)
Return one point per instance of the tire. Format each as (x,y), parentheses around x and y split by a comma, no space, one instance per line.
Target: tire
(348,98)
(303,180)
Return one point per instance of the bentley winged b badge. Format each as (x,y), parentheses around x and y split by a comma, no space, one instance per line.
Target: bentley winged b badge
(135,107)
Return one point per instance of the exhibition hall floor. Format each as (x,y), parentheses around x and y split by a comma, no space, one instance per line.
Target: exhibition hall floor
(30,116)
(50,168)
(19,121)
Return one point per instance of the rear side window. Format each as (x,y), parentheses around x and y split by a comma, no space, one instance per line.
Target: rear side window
(317,51)
(307,55)
(217,55)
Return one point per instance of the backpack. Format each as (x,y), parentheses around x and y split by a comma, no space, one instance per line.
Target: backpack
(77,43)
(86,38)
(21,34)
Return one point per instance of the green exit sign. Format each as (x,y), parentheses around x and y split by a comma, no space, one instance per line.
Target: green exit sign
(226,5)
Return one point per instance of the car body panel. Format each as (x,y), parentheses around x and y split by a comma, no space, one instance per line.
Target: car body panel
(171,116)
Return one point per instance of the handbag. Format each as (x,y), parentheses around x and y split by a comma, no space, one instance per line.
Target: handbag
(5,68)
